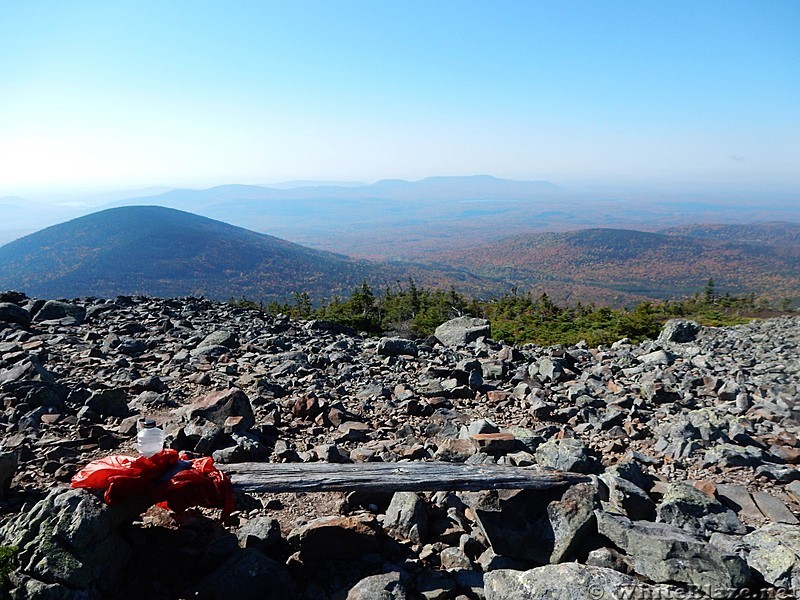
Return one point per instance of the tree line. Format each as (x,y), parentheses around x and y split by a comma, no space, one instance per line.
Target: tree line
(410,310)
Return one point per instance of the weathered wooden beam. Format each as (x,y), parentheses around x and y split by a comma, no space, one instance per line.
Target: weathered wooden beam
(390,477)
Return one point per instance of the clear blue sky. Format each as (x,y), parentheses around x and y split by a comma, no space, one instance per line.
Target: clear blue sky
(120,94)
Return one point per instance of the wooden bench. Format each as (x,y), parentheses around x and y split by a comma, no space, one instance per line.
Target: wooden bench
(391,477)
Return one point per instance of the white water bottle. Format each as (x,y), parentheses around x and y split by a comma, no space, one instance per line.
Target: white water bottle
(150,439)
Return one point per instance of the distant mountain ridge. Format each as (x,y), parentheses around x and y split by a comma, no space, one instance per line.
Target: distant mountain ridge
(376,221)
(778,233)
(311,209)
(432,188)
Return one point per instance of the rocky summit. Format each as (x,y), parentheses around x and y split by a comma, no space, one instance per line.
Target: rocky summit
(688,445)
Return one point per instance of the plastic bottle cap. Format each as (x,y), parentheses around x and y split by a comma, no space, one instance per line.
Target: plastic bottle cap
(149,424)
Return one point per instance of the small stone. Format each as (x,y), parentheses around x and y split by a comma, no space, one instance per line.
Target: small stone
(794,490)
(11,313)
(495,443)
(397,347)
(261,533)
(773,508)
(221,337)
(335,538)
(386,586)
(628,499)
(454,559)
(455,450)
(738,499)
(566,455)
(406,517)
(55,309)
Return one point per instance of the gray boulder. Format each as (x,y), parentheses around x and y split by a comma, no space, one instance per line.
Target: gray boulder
(64,543)
(397,346)
(537,526)
(132,347)
(248,574)
(56,309)
(666,554)
(567,454)
(261,533)
(221,337)
(551,369)
(628,499)
(386,586)
(109,403)
(200,435)
(572,519)
(774,553)
(11,313)
(696,512)
(9,461)
(220,406)
(657,357)
(477,427)
(335,538)
(679,331)
(454,559)
(99,309)
(29,369)
(406,517)
(731,455)
(568,581)
(631,471)
(462,331)
(150,383)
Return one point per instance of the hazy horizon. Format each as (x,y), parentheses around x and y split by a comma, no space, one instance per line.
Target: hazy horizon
(680,95)
(98,197)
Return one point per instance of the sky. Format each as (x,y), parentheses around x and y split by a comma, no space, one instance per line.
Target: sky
(114,95)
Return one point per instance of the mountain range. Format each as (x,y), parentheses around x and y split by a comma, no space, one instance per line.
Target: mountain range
(152,250)
(409,220)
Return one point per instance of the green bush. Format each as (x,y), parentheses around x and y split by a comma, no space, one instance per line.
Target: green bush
(8,562)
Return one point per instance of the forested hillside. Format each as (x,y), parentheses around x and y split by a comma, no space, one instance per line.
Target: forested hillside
(633,264)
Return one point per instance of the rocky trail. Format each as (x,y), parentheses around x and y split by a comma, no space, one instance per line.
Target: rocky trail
(689,444)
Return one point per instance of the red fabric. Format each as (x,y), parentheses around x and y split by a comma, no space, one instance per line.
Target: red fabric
(201,484)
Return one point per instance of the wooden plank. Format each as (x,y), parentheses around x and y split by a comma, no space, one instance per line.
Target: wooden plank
(390,477)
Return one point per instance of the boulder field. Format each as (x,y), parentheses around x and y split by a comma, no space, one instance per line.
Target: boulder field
(689,444)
